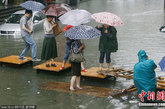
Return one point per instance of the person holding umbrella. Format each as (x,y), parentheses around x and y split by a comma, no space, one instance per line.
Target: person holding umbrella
(107,43)
(76,47)
(49,49)
(67,49)
(49,45)
(26,35)
(26,31)
(76,53)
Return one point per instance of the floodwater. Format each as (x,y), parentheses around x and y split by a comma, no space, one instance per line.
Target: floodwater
(142,20)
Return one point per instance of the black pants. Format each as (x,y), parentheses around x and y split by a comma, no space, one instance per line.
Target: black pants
(102,55)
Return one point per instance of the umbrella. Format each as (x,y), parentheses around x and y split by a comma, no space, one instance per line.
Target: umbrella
(162,64)
(82,32)
(107,18)
(32,5)
(56,9)
(75,17)
(67,27)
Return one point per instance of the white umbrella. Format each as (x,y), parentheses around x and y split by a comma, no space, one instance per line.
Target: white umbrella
(107,18)
(75,17)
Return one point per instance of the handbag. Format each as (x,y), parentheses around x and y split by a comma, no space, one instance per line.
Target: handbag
(57,30)
(73,57)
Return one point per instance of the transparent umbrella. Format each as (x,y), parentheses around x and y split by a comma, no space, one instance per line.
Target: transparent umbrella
(75,17)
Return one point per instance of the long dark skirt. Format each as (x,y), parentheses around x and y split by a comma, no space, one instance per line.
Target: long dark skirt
(76,68)
(49,49)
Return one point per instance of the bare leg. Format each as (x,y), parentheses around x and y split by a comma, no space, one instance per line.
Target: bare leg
(72,82)
(52,60)
(101,66)
(78,78)
(47,63)
(82,66)
(63,63)
(108,65)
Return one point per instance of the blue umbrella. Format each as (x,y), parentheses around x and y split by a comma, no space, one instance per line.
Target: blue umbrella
(32,5)
(82,32)
(162,64)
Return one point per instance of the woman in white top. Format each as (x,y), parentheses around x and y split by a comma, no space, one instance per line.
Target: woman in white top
(49,49)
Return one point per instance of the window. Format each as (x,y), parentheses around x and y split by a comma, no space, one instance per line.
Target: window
(14,18)
(38,16)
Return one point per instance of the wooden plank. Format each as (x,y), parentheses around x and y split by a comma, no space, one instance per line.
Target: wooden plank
(52,68)
(160,87)
(87,90)
(125,91)
(117,73)
(161,83)
(124,76)
(92,72)
(14,61)
(161,78)
(132,89)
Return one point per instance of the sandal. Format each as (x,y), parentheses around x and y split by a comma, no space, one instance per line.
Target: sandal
(61,68)
(79,88)
(73,90)
(84,70)
(53,64)
(47,65)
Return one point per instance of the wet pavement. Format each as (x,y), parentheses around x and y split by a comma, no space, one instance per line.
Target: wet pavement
(142,20)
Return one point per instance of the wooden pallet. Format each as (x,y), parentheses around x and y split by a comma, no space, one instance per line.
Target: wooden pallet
(14,61)
(161,83)
(132,88)
(117,73)
(87,90)
(160,86)
(42,67)
(92,72)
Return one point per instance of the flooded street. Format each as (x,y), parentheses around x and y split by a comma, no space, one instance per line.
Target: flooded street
(142,20)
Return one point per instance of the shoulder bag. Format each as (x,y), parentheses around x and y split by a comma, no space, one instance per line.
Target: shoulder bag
(57,30)
(73,57)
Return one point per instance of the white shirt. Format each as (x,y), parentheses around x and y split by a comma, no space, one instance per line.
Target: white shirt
(48,27)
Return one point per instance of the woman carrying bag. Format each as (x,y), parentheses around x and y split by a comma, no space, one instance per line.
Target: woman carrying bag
(49,49)
(76,52)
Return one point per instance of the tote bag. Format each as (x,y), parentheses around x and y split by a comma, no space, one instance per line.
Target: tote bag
(73,57)
(57,30)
